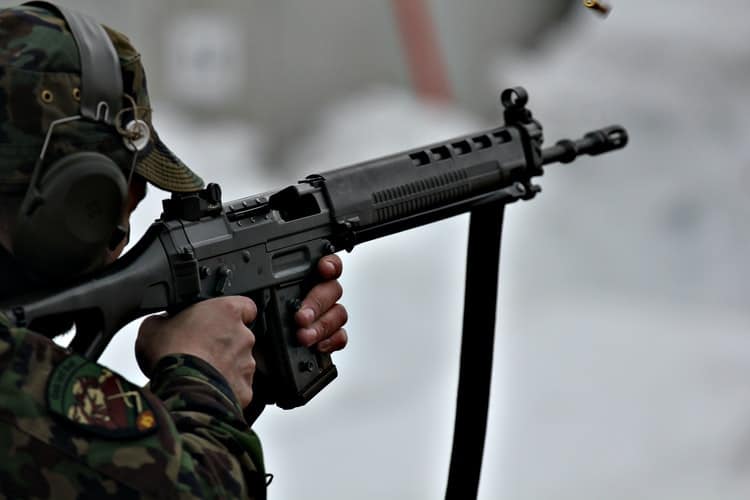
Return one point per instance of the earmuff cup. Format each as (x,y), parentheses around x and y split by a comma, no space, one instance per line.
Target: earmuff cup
(67,219)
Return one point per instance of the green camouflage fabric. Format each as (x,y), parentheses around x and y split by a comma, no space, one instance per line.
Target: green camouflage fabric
(40,83)
(190,440)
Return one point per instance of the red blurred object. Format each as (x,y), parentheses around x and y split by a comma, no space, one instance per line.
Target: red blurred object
(422,50)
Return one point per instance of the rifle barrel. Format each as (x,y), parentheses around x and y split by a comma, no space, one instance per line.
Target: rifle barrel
(593,143)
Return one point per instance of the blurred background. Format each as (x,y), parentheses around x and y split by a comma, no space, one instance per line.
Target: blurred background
(622,358)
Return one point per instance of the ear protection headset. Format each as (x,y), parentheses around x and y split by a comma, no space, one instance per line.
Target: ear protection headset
(73,209)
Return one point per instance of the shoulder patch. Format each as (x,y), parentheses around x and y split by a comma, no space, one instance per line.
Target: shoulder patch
(99,400)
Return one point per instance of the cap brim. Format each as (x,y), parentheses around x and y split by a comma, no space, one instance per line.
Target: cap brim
(163,169)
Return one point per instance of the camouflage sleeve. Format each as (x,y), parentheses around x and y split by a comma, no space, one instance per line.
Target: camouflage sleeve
(71,428)
(208,417)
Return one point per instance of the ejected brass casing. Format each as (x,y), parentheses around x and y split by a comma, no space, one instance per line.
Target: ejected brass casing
(597,6)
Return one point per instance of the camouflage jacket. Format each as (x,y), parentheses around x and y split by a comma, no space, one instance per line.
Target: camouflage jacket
(70,428)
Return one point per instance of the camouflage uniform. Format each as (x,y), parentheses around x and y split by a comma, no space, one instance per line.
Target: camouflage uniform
(71,428)
(189,439)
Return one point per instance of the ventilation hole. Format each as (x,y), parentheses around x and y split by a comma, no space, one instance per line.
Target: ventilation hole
(420,158)
(461,147)
(440,153)
(502,136)
(482,141)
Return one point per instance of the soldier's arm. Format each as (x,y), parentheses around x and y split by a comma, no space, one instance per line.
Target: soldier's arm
(69,426)
(200,364)
(221,456)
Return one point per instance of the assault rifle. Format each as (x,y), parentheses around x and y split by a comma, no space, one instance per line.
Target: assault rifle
(267,246)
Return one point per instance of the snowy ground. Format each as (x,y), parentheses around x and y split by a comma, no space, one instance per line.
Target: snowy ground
(623,353)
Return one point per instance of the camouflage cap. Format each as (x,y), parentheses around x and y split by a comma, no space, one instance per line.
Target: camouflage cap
(40,82)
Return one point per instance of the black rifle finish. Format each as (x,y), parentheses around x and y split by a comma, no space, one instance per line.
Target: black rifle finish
(267,246)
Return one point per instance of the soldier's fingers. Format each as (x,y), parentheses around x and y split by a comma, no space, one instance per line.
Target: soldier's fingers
(243,307)
(244,381)
(249,310)
(320,299)
(328,324)
(335,342)
(330,267)
(244,393)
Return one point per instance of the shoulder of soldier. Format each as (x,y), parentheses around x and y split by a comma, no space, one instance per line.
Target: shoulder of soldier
(95,427)
(91,425)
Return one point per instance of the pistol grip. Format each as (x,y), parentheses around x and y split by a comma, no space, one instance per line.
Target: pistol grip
(288,373)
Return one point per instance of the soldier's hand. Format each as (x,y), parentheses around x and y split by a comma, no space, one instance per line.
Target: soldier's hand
(214,330)
(321,317)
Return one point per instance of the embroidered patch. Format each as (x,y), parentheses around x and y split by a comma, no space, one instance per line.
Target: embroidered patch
(91,396)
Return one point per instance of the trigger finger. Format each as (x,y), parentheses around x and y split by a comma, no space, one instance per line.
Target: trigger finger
(330,267)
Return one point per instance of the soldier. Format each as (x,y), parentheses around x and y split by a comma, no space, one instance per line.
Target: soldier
(69,427)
